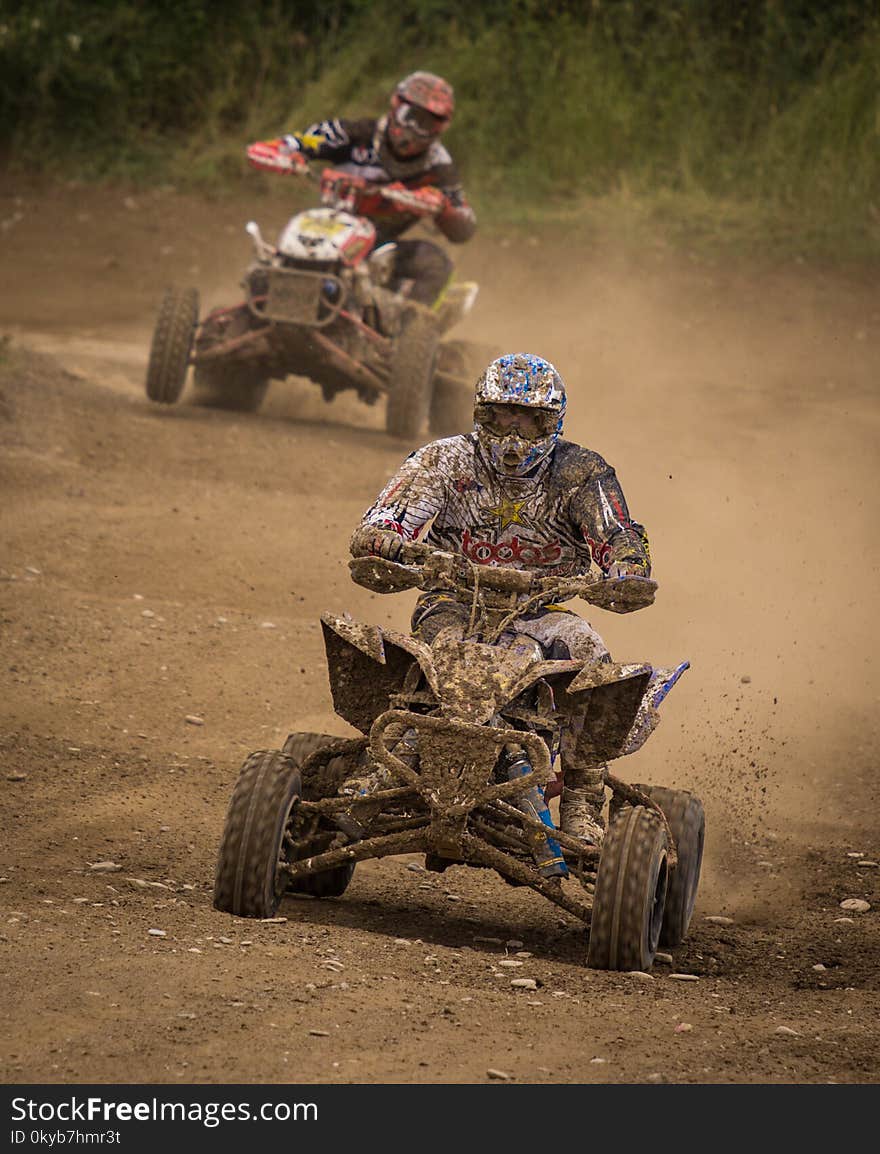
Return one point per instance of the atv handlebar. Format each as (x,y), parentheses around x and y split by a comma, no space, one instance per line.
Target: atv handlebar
(424,568)
(342,190)
(338,189)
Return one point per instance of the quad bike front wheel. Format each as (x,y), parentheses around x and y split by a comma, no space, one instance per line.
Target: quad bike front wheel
(240,386)
(247,881)
(319,782)
(411,377)
(172,344)
(687,823)
(630,892)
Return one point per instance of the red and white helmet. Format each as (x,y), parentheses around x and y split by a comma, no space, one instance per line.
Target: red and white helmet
(421,109)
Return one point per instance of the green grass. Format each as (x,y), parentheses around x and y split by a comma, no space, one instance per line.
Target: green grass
(752,126)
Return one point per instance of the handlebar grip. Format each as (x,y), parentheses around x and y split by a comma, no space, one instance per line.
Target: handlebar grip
(414,552)
(506,580)
(407,199)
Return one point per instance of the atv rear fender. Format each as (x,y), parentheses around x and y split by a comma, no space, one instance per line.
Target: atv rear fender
(455,303)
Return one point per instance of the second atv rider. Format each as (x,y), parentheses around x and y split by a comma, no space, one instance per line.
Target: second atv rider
(513,493)
(403,151)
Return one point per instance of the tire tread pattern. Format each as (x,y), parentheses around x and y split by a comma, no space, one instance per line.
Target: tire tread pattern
(684,813)
(411,378)
(245,876)
(624,891)
(324,763)
(171,345)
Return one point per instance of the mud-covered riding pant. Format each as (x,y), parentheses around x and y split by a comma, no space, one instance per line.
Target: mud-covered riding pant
(562,636)
(426,265)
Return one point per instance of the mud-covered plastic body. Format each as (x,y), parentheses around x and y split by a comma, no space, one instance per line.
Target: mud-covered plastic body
(321,304)
(461,739)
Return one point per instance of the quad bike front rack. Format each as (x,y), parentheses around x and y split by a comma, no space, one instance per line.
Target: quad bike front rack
(466,817)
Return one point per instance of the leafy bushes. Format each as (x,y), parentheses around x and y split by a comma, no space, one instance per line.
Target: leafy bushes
(765,103)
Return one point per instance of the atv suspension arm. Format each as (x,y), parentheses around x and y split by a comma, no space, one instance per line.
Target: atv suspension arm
(476,849)
(405,841)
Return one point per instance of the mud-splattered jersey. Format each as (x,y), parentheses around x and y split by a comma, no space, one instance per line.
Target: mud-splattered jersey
(569,512)
(359,146)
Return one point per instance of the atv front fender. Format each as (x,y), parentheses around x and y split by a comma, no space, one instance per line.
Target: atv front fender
(647,716)
(366,665)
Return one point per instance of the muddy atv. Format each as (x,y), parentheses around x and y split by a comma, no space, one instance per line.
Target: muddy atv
(461,739)
(322,304)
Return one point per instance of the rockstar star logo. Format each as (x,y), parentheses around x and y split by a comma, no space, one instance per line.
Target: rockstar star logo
(507,511)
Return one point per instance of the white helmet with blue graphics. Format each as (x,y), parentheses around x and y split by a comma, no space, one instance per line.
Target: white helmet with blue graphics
(518,411)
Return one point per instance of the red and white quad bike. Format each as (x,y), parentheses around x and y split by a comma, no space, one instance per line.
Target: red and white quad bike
(319,305)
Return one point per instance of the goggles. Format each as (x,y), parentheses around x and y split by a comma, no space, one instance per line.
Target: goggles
(532,424)
(419,120)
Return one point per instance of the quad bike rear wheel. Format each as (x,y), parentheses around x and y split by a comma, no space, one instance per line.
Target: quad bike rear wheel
(247,881)
(411,376)
(459,365)
(687,823)
(452,407)
(630,892)
(172,344)
(318,782)
(299,746)
(237,385)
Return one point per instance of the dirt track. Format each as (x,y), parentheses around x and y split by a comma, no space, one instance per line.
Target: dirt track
(163,563)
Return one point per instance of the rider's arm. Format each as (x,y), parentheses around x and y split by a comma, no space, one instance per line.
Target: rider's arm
(598,507)
(413,497)
(330,140)
(446,204)
(457,221)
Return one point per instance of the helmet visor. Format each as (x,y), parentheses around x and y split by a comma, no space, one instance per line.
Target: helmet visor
(418,120)
(530,422)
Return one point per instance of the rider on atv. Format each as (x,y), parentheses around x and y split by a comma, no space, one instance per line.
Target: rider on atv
(401,149)
(512,493)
